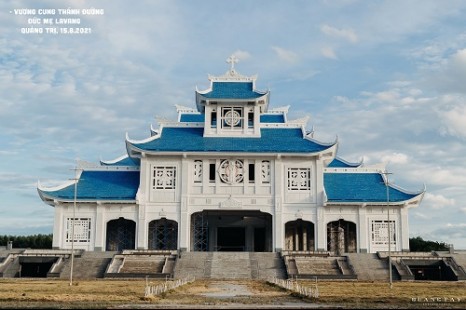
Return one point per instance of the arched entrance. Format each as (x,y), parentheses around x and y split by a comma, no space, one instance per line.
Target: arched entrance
(341,237)
(299,236)
(240,231)
(163,235)
(121,235)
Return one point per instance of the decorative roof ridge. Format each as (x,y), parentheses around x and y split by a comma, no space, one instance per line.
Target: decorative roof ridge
(409,192)
(182,109)
(328,144)
(83,165)
(149,139)
(369,170)
(382,167)
(350,164)
(310,133)
(210,89)
(232,75)
(280,125)
(113,161)
(154,131)
(283,109)
(42,188)
(302,120)
(157,133)
(164,122)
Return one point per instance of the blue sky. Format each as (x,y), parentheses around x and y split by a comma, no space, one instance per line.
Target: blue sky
(387,77)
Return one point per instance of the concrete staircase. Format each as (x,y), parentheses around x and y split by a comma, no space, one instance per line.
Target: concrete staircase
(307,266)
(460,260)
(87,266)
(143,264)
(230,265)
(368,267)
(268,265)
(193,264)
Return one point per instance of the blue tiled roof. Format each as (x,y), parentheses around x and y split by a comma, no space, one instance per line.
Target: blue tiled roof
(338,163)
(177,139)
(192,118)
(232,90)
(360,187)
(127,161)
(101,185)
(272,118)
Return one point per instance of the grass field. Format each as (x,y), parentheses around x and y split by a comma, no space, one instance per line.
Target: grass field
(31,293)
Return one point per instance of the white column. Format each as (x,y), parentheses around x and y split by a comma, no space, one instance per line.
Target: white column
(363,233)
(142,228)
(278,179)
(58,231)
(257,126)
(403,230)
(184,227)
(321,229)
(143,193)
(100,228)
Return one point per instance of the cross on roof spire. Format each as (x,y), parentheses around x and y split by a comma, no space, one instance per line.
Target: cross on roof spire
(232,60)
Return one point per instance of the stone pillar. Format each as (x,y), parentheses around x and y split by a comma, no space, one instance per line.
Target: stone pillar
(362,230)
(278,228)
(59,232)
(100,228)
(142,228)
(184,227)
(321,230)
(402,231)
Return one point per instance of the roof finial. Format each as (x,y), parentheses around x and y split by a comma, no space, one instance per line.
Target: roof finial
(232,60)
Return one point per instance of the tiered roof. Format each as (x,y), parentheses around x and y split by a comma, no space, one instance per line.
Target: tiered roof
(118,180)
(191,139)
(107,185)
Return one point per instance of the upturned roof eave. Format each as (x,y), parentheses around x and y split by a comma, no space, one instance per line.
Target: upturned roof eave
(133,150)
(52,200)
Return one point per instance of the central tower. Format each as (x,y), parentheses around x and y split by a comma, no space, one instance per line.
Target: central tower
(232,105)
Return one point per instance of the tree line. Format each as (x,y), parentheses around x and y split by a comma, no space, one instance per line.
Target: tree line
(39,241)
(416,244)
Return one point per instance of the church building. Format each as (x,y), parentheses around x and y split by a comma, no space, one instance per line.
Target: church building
(231,174)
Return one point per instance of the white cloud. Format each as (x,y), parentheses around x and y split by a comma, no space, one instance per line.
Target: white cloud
(286,55)
(328,52)
(454,120)
(242,55)
(345,33)
(421,215)
(395,158)
(437,201)
(447,73)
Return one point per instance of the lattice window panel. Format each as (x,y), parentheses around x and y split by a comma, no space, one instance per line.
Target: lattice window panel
(82,230)
(197,176)
(164,178)
(265,172)
(232,118)
(299,179)
(379,232)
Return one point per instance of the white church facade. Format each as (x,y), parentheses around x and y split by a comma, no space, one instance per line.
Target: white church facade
(231,174)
